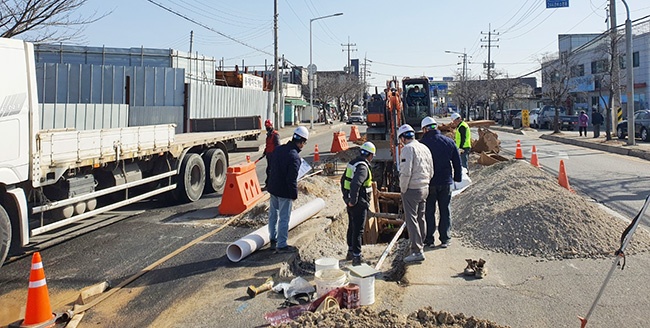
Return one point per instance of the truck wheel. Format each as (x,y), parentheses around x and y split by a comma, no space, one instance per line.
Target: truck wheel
(215,170)
(5,234)
(192,178)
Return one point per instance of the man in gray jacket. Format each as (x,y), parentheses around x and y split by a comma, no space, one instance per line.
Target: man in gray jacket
(415,172)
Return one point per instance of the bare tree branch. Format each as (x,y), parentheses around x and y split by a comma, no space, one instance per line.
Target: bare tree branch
(44,20)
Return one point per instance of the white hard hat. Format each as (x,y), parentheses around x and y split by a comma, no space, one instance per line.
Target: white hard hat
(369,147)
(406,129)
(455,116)
(301,132)
(427,122)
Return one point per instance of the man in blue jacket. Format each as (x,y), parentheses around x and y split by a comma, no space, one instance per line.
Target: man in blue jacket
(445,155)
(283,187)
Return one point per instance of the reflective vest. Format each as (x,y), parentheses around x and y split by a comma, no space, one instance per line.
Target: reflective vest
(349,174)
(468,136)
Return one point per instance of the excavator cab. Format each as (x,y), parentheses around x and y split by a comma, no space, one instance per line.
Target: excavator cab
(417,104)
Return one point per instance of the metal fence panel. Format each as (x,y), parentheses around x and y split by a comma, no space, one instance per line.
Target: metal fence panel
(213,101)
(152,115)
(83,83)
(83,116)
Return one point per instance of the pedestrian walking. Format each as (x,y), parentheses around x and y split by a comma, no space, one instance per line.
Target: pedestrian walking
(597,120)
(283,187)
(415,172)
(356,186)
(463,138)
(583,121)
(272,142)
(445,157)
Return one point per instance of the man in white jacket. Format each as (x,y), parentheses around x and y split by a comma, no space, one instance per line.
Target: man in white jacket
(415,172)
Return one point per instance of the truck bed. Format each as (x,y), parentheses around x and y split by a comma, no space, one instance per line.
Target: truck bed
(71,148)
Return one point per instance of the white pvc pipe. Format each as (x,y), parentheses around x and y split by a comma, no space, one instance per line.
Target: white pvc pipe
(260,237)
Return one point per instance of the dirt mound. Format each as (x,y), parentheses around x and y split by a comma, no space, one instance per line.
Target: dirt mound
(365,317)
(515,208)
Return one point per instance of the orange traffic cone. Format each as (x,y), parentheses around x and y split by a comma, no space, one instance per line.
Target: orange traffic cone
(38,311)
(533,159)
(563,179)
(316,154)
(354,133)
(518,153)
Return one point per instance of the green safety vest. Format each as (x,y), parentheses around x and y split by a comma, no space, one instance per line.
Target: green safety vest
(349,173)
(468,136)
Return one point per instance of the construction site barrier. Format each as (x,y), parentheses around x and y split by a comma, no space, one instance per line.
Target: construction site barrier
(242,189)
(339,142)
(354,133)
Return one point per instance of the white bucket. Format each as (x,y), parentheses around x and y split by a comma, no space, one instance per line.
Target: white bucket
(326,263)
(329,279)
(366,289)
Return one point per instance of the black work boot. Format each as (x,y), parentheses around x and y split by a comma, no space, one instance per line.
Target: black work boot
(356,260)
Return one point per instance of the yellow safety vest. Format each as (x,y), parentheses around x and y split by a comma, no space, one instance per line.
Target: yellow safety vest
(468,136)
(349,174)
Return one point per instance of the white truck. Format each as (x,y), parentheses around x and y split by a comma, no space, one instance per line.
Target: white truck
(52,178)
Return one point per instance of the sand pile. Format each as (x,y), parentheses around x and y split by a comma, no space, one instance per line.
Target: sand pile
(364,317)
(515,208)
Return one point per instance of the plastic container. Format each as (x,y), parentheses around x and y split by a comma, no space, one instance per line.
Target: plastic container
(366,288)
(329,279)
(326,263)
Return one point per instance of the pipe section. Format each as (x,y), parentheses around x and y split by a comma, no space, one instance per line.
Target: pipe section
(260,237)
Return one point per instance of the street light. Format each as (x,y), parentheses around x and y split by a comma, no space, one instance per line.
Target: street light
(464,54)
(630,78)
(311,68)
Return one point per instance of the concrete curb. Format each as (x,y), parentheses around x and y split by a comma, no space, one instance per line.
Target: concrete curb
(621,150)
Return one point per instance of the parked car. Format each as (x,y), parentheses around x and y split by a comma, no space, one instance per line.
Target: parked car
(510,114)
(356,117)
(641,126)
(546,119)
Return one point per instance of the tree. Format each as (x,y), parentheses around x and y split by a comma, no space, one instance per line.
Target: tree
(556,83)
(468,92)
(43,20)
(607,79)
(503,90)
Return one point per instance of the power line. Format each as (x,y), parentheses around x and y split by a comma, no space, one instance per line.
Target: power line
(209,28)
(410,66)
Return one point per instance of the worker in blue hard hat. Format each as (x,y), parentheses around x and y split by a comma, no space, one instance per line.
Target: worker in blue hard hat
(356,186)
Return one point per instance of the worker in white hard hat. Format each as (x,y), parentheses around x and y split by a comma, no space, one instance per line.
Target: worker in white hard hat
(463,138)
(356,186)
(415,172)
(445,156)
(283,187)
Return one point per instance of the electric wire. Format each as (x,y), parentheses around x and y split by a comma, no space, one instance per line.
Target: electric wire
(513,16)
(209,28)
(324,25)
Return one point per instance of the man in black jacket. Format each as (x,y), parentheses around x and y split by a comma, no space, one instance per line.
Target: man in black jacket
(283,187)
(356,186)
(596,120)
(445,155)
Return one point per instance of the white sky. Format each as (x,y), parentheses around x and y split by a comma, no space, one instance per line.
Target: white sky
(401,38)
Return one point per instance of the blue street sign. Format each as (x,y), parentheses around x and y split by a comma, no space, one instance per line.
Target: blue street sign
(557,3)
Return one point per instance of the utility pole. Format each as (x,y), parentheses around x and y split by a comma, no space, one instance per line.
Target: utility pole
(612,119)
(349,50)
(276,71)
(190,59)
(489,65)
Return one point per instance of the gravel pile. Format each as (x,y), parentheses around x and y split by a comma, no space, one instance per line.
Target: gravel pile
(364,317)
(515,208)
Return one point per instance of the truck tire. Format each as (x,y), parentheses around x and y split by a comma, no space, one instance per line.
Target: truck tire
(215,170)
(644,135)
(191,178)
(5,234)
(619,133)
